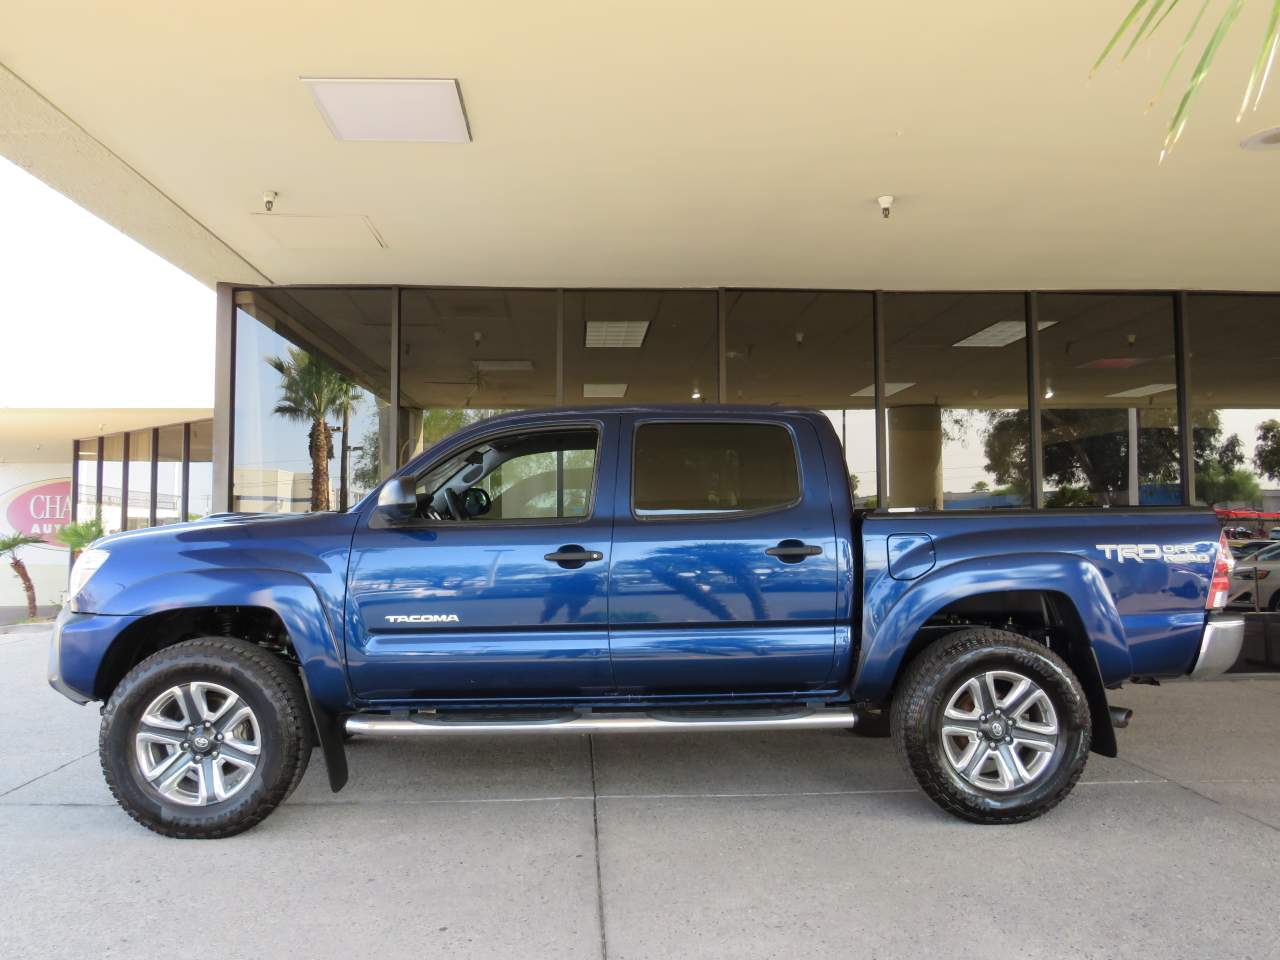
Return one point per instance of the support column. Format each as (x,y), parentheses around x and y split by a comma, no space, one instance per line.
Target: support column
(1135,480)
(915,456)
(224,398)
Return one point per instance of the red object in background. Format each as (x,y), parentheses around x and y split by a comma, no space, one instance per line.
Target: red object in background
(41,510)
(1226,514)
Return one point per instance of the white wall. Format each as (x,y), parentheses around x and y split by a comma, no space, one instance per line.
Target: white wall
(26,505)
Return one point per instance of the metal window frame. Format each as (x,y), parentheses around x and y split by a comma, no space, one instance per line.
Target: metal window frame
(184,482)
(155,476)
(226,359)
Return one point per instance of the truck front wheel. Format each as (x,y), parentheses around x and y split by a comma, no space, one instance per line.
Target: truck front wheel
(205,738)
(993,726)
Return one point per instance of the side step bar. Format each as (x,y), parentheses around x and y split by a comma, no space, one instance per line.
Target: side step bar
(462,725)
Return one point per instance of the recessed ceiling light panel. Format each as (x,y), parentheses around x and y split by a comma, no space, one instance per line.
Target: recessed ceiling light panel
(1000,334)
(408,111)
(1151,389)
(601,391)
(889,389)
(616,333)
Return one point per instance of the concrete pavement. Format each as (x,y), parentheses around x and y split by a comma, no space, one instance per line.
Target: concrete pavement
(718,845)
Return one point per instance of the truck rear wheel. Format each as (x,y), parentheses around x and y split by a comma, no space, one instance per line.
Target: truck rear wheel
(993,726)
(205,738)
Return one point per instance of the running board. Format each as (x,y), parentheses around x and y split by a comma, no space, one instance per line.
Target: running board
(460,724)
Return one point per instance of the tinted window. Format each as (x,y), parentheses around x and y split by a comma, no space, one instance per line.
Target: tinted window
(713,467)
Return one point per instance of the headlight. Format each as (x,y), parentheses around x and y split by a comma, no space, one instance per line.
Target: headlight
(86,566)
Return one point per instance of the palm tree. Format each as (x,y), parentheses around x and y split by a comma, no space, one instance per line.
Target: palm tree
(310,390)
(348,402)
(9,547)
(76,536)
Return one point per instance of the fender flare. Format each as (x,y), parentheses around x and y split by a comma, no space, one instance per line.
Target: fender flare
(295,601)
(892,616)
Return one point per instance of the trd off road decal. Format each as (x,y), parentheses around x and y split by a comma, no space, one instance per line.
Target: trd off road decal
(1141,552)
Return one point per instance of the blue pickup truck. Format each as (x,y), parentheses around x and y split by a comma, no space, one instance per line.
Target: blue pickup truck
(637,569)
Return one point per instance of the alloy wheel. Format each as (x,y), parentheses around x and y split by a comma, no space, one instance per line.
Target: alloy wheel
(198,743)
(999,731)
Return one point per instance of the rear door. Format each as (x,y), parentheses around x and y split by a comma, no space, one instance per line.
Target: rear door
(509,601)
(724,570)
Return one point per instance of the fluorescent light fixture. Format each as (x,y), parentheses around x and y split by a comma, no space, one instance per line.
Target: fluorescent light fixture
(600,391)
(407,111)
(1000,334)
(616,333)
(1149,390)
(503,366)
(889,389)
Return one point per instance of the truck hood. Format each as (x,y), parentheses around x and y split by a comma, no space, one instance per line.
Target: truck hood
(312,545)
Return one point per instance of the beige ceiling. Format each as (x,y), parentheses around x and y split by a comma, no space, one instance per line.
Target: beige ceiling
(654,143)
(44,435)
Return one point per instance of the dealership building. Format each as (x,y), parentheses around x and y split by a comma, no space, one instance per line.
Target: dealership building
(448,214)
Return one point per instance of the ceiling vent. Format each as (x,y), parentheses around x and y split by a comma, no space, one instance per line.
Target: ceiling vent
(397,111)
(616,333)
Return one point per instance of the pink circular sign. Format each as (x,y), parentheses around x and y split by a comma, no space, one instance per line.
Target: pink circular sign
(41,510)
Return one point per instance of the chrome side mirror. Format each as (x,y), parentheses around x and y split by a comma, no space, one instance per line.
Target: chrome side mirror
(398,499)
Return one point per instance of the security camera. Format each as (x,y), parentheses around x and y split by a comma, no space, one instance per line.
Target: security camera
(269,199)
(886,205)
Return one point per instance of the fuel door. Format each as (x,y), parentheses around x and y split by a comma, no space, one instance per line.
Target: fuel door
(910,555)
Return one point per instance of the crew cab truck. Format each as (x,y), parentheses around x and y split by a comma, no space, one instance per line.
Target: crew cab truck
(634,569)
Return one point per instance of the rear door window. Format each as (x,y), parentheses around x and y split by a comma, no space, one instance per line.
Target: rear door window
(707,468)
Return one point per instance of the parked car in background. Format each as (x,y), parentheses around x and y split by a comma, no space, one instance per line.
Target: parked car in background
(1257,574)
(1241,549)
(623,570)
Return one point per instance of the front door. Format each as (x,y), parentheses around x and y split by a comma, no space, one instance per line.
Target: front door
(499,587)
(724,572)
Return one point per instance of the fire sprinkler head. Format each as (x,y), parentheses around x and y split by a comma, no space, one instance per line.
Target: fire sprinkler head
(886,205)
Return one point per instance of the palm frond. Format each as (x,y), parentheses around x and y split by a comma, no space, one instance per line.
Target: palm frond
(1115,37)
(1186,42)
(15,540)
(1262,66)
(1142,28)
(1157,11)
(1179,122)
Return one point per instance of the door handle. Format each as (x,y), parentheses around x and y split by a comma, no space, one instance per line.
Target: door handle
(571,556)
(793,551)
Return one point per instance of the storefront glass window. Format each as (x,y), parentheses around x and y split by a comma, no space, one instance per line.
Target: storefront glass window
(87,479)
(312,388)
(641,346)
(466,355)
(169,475)
(1108,400)
(200,472)
(112,483)
(812,349)
(956,401)
(1234,386)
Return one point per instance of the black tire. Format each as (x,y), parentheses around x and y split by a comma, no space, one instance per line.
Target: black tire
(940,671)
(267,684)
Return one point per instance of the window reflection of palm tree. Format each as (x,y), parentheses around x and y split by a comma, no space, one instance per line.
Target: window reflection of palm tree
(311,390)
(670,565)
(570,593)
